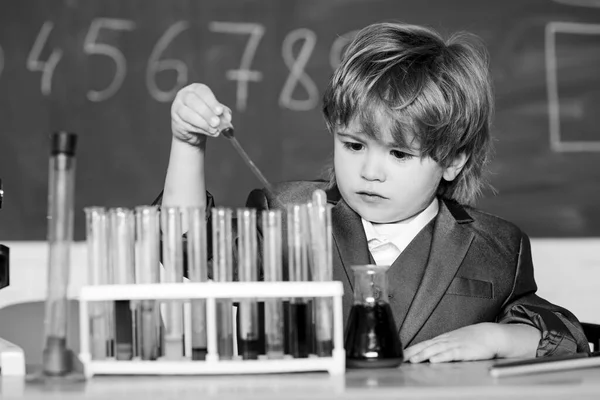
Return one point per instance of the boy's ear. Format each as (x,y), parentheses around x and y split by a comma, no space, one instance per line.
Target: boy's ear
(452,170)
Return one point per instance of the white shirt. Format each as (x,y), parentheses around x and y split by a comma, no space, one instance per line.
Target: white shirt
(387,241)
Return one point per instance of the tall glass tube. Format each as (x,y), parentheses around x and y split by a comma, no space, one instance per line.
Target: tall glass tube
(320,234)
(61,188)
(247,272)
(299,324)
(147,271)
(223,272)
(97,251)
(272,266)
(122,251)
(172,247)
(197,272)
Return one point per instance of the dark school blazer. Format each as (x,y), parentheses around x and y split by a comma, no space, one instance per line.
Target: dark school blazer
(464,268)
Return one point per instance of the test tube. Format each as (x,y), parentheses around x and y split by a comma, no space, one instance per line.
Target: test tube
(61,184)
(97,251)
(172,253)
(223,272)
(299,325)
(272,266)
(147,271)
(122,250)
(320,234)
(247,272)
(197,272)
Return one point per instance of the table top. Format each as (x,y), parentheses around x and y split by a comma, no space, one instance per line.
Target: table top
(465,380)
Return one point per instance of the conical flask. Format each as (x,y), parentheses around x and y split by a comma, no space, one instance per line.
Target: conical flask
(372,340)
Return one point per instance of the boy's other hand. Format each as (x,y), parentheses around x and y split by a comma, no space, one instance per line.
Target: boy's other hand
(474,342)
(196,114)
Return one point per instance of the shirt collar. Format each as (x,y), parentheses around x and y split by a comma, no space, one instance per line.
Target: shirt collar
(403,232)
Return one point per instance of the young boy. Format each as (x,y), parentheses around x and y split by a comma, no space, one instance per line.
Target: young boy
(410,117)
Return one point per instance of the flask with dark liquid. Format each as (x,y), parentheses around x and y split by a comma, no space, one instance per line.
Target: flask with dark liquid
(372,339)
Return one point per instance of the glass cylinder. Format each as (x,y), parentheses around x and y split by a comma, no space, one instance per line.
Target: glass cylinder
(247,272)
(172,258)
(299,316)
(147,271)
(223,272)
(122,251)
(197,265)
(372,339)
(61,189)
(97,252)
(272,266)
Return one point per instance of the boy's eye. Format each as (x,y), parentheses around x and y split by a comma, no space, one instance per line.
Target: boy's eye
(353,146)
(400,155)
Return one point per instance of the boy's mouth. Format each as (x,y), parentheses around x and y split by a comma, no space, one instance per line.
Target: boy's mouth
(370,195)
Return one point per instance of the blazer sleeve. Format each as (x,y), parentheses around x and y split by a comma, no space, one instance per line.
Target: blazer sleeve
(561,331)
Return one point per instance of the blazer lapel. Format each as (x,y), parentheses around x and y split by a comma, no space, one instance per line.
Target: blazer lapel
(449,246)
(350,248)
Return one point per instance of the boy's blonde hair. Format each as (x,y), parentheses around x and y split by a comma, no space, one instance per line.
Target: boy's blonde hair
(437,92)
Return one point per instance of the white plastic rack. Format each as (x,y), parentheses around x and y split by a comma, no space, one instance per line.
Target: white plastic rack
(211,291)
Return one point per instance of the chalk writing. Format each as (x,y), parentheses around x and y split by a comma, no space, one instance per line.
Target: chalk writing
(45,67)
(296,67)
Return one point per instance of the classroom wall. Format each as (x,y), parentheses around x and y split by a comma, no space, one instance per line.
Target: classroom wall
(109,69)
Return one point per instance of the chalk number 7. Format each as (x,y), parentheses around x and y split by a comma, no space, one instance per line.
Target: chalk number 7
(91,46)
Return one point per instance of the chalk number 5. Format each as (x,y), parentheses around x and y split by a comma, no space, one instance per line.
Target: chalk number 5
(93,47)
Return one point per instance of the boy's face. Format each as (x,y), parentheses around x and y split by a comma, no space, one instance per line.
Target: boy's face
(382,182)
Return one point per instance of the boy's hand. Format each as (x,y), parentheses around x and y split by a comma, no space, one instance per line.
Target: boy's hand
(196,113)
(477,342)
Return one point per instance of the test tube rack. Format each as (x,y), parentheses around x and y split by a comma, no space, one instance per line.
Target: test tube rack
(211,292)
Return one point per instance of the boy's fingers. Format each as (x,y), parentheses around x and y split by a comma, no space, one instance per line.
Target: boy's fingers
(429,352)
(197,122)
(208,97)
(446,356)
(409,352)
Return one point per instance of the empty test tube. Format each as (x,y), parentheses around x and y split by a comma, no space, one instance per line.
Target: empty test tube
(223,272)
(320,233)
(122,251)
(197,272)
(272,266)
(299,324)
(97,250)
(247,272)
(172,253)
(147,271)
(61,187)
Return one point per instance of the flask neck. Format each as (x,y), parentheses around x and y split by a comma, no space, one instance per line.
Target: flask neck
(370,284)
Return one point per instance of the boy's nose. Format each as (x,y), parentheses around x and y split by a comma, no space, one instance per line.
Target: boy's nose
(372,168)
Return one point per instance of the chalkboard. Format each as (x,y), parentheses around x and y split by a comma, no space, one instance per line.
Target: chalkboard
(109,69)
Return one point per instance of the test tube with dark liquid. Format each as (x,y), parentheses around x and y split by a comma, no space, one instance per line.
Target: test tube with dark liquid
(299,316)
(172,257)
(320,238)
(61,185)
(97,251)
(247,272)
(223,272)
(197,272)
(272,266)
(122,251)
(147,271)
